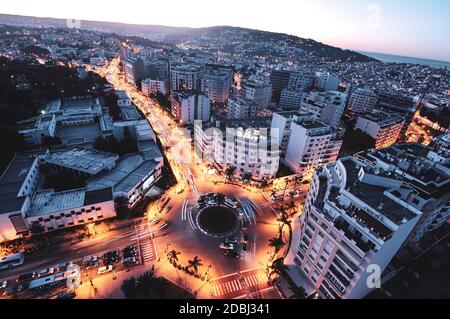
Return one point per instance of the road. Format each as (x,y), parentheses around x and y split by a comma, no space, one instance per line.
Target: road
(177,229)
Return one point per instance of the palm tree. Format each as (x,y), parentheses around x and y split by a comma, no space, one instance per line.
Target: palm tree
(298,293)
(277,267)
(145,285)
(277,243)
(247,177)
(285,220)
(129,288)
(36,229)
(173,255)
(230,172)
(195,263)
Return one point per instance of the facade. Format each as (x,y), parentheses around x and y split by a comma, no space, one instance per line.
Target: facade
(216,82)
(257,89)
(156,69)
(280,81)
(301,79)
(355,219)
(328,82)
(134,70)
(189,106)
(311,144)
(185,77)
(153,86)
(291,100)
(327,107)
(384,127)
(240,107)
(362,100)
(237,144)
(403,105)
(36,129)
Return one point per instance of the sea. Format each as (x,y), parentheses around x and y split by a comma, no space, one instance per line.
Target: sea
(390,58)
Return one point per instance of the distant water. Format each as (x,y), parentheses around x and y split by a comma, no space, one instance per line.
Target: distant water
(390,58)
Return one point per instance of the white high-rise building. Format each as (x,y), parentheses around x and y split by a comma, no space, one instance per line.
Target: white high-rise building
(216,82)
(238,144)
(134,70)
(327,107)
(362,100)
(328,82)
(240,107)
(292,100)
(301,79)
(185,77)
(153,86)
(258,89)
(384,127)
(188,106)
(355,219)
(310,143)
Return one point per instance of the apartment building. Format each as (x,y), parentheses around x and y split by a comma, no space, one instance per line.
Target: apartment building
(240,107)
(257,89)
(362,100)
(153,86)
(327,107)
(216,82)
(245,145)
(185,77)
(188,106)
(327,82)
(383,127)
(355,219)
(133,69)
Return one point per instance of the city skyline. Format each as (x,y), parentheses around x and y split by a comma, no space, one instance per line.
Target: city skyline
(377,26)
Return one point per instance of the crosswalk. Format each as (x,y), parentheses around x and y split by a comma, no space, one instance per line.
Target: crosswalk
(146,245)
(236,286)
(147,250)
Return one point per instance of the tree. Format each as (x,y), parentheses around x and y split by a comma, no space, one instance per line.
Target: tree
(247,177)
(195,263)
(298,293)
(173,255)
(229,172)
(129,288)
(276,243)
(36,229)
(277,268)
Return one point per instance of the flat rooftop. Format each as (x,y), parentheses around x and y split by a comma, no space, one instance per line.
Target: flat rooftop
(81,159)
(47,202)
(12,179)
(76,135)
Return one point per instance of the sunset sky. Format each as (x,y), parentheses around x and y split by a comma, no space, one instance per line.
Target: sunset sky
(405,27)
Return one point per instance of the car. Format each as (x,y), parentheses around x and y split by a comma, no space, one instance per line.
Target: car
(3,284)
(66,295)
(231,240)
(45,272)
(130,260)
(226,246)
(105,269)
(9,291)
(90,259)
(26,277)
(91,264)
(232,254)
(63,266)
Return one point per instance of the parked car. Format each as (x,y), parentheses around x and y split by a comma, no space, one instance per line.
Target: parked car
(111,257)
(45,272)
(26,277)
(105,269)
(3,284)
(63,266)
(226,246)
(12,290)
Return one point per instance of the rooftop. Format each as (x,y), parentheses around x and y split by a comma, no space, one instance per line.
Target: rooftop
(82,159)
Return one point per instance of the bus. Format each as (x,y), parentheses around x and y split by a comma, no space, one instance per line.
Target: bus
(11,261)
(54,281)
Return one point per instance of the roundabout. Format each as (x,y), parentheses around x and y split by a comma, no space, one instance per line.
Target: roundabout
(217,221)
